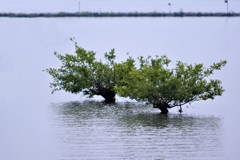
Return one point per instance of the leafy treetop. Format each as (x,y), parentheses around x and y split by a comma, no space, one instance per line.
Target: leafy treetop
(154,82)
(82,72)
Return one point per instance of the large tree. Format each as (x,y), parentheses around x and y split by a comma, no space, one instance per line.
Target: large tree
(82,72)
(156,83)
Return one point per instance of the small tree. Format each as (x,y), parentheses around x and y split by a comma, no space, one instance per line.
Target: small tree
(81,72)
(166,88)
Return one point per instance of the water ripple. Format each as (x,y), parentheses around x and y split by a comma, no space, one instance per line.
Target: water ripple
(133,131)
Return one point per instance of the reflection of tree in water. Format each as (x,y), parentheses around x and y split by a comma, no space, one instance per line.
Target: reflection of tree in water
(130,115)
(76,113)
(78,110)
(183,135)
(170,120)
(197,131)
(90,128)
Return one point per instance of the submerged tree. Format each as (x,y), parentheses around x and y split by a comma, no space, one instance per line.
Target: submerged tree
(82,72)
(155,83)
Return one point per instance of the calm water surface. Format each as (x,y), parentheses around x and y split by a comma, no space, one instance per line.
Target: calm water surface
(124,131)
(117,5)
(34,124)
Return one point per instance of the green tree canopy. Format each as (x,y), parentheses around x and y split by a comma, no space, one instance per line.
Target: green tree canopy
(155,83)
(82,72)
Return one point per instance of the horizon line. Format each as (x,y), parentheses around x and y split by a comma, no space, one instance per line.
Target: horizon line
(119,14)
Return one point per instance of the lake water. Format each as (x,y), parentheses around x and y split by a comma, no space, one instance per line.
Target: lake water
(118,5)
(34,124)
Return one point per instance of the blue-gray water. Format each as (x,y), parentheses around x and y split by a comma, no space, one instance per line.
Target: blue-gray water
(35,124)
(118,5)
(124,131)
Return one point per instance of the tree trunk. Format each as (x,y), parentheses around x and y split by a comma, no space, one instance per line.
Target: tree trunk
(107,93)
(109,98)
(163,107)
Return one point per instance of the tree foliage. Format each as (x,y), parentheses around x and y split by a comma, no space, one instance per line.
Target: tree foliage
(82,72)
(154,82)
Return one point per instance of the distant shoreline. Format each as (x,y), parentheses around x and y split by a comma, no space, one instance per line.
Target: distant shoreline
(119,14)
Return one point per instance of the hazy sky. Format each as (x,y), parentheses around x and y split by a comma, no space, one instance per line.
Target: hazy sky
(117,5)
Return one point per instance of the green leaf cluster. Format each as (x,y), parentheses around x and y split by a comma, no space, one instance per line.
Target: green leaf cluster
(82,72)
(154,82)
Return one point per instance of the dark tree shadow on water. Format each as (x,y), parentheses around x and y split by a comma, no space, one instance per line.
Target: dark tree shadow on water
(75,113)
(79,111)
(131,115)
(170,120)
(135,129)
